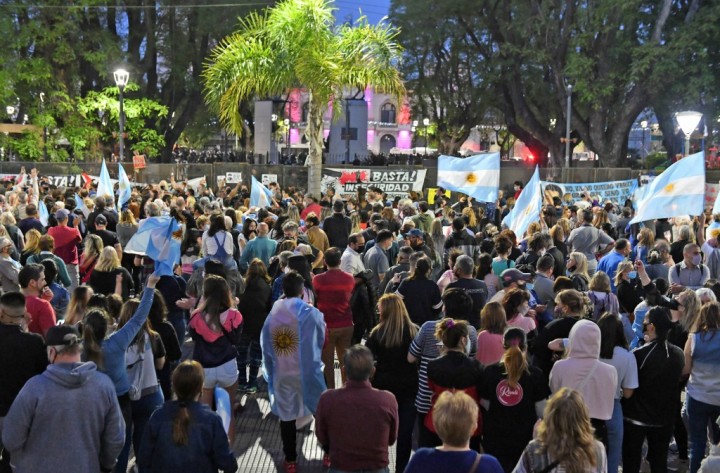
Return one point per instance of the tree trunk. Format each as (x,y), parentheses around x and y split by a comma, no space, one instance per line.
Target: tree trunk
(314,133)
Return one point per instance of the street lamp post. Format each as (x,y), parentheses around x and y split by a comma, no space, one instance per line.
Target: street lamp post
(568,119)
(42,110)
(273,150)
(121,80)
(644,126)
(287,142)
(426,122)
(688,121)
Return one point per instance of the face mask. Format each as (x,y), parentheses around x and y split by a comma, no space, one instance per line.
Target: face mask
(569,273)
(529,286)
(632,274)
(696,260)
(360,248)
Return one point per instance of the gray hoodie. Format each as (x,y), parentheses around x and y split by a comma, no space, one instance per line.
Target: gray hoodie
(66,419)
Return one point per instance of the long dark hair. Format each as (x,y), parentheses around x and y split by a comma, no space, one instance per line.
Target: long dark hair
(187,383)
(95,325)
(246,228)
(422,269)
(217,299)
(300,264)
(611,335)
(484,266)
(257,270)
(217,224)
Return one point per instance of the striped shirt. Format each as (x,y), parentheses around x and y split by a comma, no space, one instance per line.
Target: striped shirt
(426,348)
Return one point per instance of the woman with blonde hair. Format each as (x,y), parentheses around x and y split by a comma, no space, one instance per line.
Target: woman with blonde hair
(646,242)
(389,342)
(625,285)
(601,296)
(514,395)
(126,228)
(565,439)
(7,219)
(470,221)
(32,246)
(78,305)
(108,274)
(89,256)
(455,420)
(577,266)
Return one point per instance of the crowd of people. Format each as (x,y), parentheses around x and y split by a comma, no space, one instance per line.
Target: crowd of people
(471,348)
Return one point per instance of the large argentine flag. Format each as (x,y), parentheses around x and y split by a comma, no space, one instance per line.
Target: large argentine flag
(527,207)
(477,176)
(158,238)
(291,340)
(679,190)
(260,196)
(124,188)
(105,185)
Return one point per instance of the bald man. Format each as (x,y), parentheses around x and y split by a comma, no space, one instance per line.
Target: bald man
(260,247)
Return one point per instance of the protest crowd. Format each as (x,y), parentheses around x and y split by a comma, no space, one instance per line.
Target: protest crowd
(130,321)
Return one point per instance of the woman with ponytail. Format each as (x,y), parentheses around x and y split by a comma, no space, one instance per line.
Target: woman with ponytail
(454,370)
(514,394)
(185,435)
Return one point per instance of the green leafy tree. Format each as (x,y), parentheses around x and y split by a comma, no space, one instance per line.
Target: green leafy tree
(296,44)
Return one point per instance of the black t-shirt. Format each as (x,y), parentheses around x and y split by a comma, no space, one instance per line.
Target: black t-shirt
(542,355)
(509,421)
(22,356)
(392,371)
(109,238)
(422,299)
(478,292)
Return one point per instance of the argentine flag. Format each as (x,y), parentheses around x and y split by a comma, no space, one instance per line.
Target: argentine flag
(527,207)
(260,196)
(477,176)
(159,239)
(105,186)
(124,188)
(43,213)
(679,190)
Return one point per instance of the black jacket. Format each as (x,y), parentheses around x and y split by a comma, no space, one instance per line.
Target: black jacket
(255,306)
(654,402)
(337,228)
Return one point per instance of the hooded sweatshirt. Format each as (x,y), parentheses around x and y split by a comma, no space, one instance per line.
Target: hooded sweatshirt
(582,371)
(68,398)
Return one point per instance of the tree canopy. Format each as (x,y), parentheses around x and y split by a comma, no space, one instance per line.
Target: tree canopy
(620,56)
(297,44)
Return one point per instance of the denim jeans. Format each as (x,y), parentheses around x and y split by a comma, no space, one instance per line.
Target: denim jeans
(615,438)
(249,353)
(142,409)
(700,415)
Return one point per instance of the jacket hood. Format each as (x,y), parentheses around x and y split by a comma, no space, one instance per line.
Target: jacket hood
(584,340)
(71,375)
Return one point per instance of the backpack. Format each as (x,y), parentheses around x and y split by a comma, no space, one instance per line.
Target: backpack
(135,377)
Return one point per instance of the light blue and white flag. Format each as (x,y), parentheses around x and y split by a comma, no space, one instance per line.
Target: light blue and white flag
(477,176)
(43,212)
(527,207)
(292,338)
(79,204)
(716,207)
(158,238)
(260,196)
(105,186)
(679,190)
(124,188)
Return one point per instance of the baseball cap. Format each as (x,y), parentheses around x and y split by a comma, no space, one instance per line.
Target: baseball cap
(61,214)
(514,275)
(62,335)
(100,220)
(4,242)
(415,232)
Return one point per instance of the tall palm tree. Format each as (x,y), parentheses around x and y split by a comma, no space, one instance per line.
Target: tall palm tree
(297,44)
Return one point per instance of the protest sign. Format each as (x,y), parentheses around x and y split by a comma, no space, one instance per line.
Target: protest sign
(233,177)
(432,194)
(266,179)
(347,181)
(614,191)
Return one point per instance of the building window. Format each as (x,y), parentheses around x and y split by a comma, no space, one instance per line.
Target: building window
(387,113)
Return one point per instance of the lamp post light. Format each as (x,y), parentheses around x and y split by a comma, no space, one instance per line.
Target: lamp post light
(426,122)
(42,110)
(688,121)
(287,142)
(121,80)
(568,119)
(644,126)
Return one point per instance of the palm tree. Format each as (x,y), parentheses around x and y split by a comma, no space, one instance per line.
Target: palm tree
(297,44)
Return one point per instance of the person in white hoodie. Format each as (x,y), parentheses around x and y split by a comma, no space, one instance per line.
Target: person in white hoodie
(582,371)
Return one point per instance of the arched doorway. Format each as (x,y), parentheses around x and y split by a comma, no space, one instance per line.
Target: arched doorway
(387,143)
